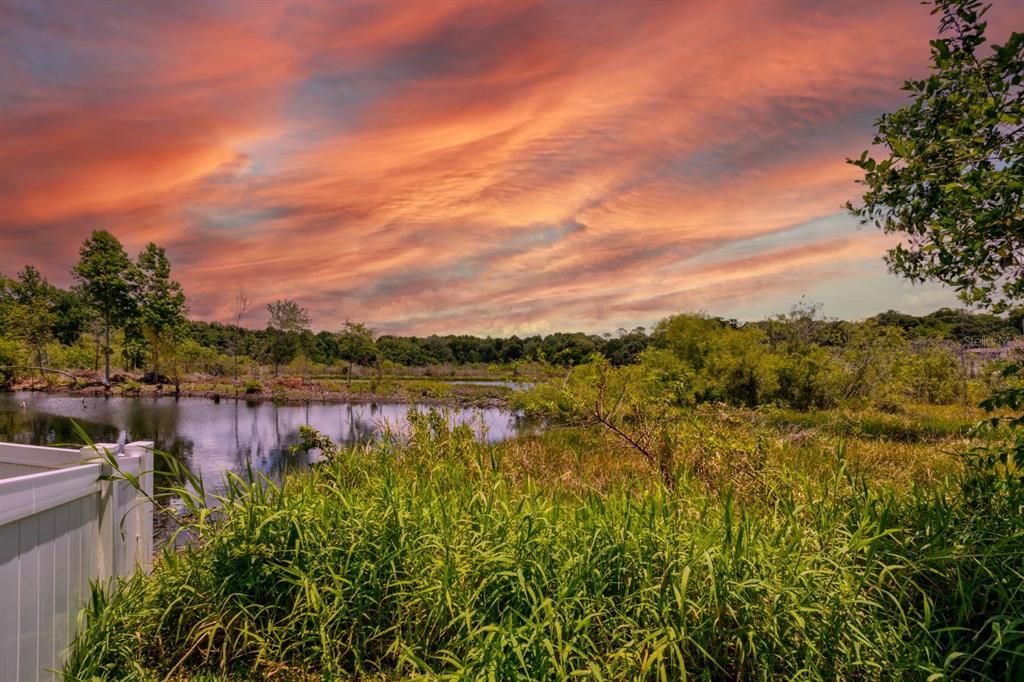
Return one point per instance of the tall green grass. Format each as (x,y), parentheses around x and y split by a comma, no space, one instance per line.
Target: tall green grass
(421,558)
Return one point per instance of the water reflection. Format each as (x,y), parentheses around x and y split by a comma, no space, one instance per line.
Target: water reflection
(211,438)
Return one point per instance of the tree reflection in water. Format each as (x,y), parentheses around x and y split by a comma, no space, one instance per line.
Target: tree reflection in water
(211,438)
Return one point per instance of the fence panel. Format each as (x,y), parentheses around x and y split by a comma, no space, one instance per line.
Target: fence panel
(60,529)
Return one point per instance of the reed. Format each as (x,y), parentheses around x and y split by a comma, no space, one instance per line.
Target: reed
(425,557)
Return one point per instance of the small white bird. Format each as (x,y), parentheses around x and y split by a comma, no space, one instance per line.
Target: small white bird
(24,405)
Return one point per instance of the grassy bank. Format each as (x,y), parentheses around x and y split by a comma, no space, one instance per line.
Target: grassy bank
(443,557)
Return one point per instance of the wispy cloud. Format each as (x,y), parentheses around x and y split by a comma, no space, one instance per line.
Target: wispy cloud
(482,166)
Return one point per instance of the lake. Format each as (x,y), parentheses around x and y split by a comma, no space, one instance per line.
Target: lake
(211,438)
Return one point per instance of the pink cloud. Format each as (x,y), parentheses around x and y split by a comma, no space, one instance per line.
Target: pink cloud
(446,165)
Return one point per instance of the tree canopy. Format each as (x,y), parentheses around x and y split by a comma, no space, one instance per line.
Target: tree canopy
(950,178)
(105,273)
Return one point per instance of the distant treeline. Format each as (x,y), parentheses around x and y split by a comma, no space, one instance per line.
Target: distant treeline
(624,347)
(330,348)
(132,312)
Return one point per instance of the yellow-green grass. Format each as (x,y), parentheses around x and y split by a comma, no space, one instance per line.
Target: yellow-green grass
(560,557)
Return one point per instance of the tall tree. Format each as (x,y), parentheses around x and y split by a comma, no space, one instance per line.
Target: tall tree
(162,305)
(30,314)
(951,180)
(356,346)
(107,279)
(287,320)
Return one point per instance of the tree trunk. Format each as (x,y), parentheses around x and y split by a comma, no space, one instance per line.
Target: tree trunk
(41,360)
(106,355)
(665,465)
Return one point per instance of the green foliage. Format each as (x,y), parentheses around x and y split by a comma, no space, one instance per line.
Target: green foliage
(193,357)
(631,404)
(418,558)
(1005,459)
(961,326)
(953,184)
(29,314)
(71,316)
(106,273)
(161,304)
(809,379)
(287,318)
(10,356)
(953,180)
(287,315)
(310,439)
(253,387)
(355,344)
(76,356)
(131,387)
(727,364)
(932,375)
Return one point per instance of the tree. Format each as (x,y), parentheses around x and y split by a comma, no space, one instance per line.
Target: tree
(953,183)
(162,305)
(71,316)
(6,301)
(30,313)
(952,180)
(107,283)
(356,346)
(287,320)
(1016,319)
(630,404)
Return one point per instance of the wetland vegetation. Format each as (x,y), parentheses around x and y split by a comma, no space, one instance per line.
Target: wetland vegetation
(797,497)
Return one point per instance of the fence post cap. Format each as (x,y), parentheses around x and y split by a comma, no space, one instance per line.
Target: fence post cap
(93,451)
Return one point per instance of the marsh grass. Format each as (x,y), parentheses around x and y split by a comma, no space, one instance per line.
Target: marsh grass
(437,556)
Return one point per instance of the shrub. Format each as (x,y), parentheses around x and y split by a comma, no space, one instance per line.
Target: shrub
(933,376)
(131,387)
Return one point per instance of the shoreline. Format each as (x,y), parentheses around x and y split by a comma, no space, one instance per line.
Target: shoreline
(458,396)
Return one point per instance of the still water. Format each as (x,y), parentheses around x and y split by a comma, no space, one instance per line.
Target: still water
(211,438)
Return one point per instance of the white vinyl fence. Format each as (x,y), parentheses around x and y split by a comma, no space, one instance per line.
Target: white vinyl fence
(62,525)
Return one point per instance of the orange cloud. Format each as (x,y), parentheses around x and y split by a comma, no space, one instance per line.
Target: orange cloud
(470,166)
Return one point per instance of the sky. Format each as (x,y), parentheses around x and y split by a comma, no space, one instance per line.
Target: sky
(488,167)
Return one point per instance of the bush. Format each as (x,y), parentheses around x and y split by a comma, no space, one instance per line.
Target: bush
(253,386)
(933,376)
(809,379)
(78,356)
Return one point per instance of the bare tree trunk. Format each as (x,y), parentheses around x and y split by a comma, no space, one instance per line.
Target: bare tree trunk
(241,305)
(41,360)
(106,355)
(665,465)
